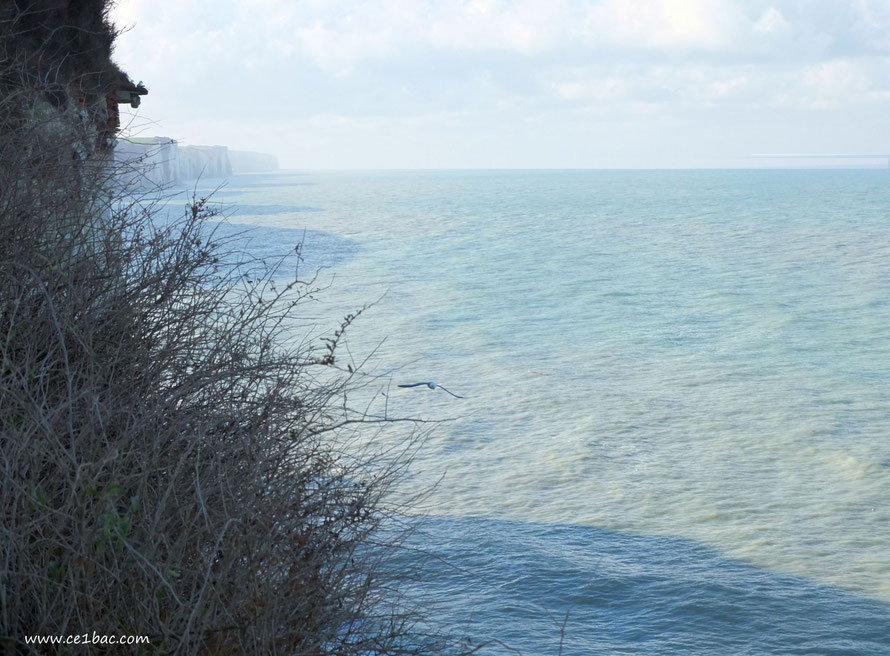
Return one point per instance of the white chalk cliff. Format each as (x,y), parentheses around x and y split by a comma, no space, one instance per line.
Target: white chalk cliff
(161,161)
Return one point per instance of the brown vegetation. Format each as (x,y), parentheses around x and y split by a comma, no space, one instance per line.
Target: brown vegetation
(173,461)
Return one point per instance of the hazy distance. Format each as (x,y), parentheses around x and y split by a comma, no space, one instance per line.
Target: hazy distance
(526,84)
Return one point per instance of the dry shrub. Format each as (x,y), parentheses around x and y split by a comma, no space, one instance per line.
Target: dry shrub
(173,462)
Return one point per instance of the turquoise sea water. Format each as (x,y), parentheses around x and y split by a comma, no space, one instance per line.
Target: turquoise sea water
(677,412)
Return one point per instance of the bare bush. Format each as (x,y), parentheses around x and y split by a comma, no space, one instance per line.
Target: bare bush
(173,462)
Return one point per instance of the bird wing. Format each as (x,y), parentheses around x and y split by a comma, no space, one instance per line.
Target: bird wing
(452,393)
(412,384)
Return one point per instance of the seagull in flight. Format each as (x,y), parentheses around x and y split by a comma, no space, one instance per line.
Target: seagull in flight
(432,386)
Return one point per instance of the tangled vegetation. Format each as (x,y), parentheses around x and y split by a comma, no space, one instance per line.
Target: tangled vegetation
(173,462)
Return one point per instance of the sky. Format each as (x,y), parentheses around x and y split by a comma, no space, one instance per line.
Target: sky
(513,83)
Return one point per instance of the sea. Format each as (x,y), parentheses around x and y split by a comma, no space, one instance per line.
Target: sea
(673,435)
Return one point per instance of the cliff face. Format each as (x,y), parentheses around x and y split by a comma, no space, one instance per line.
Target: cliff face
(203,162)
(159,161)
(59,87)
(55,64)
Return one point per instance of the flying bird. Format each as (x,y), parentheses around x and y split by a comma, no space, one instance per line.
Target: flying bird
(432,386)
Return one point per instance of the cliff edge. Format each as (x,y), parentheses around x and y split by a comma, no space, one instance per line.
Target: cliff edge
(159,161)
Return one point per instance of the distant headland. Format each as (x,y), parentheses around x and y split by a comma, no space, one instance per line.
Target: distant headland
(153,161)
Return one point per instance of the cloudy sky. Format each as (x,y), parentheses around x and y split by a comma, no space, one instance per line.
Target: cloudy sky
(513,83)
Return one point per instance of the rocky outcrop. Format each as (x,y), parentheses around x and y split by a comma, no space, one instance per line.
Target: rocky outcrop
(55,62)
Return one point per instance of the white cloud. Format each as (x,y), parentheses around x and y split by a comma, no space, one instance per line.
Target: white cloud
(366,66)
(664,24)
(338,36)
(609,88)
(771,22)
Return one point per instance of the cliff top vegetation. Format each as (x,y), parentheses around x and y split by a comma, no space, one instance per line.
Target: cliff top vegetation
(176,461)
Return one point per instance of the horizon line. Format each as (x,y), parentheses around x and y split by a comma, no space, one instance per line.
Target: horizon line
(823,155)
(600,168)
